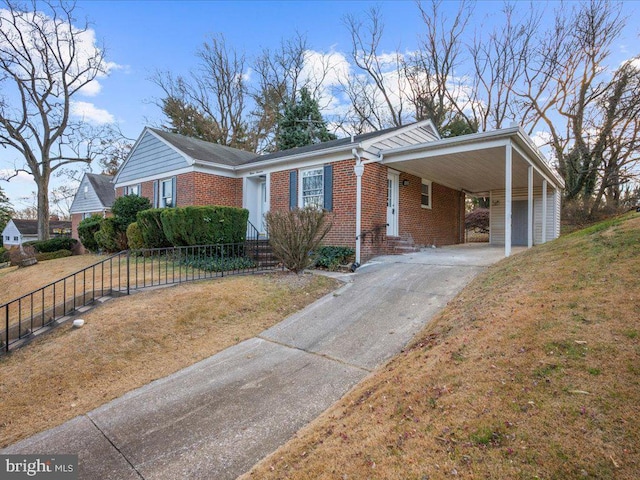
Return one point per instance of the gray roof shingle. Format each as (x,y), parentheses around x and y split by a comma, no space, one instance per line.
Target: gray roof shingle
(30,227)
(103,187)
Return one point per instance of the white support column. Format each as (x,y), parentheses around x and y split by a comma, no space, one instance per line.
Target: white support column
(508,172)
(530,206)
(359,170)
(544,211)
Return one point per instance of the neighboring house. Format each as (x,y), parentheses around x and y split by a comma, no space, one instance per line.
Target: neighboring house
(95,196)
(17,231)
(401,183)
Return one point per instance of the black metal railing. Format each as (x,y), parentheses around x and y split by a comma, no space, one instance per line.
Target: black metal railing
(124,272)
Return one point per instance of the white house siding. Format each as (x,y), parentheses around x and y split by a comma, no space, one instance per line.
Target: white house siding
(12,232)
(496,214)
(86,200)
(151,156)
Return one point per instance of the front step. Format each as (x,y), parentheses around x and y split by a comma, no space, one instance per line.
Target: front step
(399,245)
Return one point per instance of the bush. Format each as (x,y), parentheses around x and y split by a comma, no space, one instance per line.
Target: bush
(477,220)
(218,264)
(53,245)
(87,229)
(331,257)
(41,257)
(126,208)
(134,236)
(4,255)
(294,234)
(110,238)
(18,255)
(150,225)
(204,225)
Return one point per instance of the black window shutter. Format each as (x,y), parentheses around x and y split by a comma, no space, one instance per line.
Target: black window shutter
(293,189)
(155,194)
(328,187)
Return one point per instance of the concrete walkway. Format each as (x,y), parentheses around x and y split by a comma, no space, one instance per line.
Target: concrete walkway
(217,418)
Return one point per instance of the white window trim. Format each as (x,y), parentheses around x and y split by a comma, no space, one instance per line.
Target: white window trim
(161,197)
(430,188)
(300,180)
(128,188)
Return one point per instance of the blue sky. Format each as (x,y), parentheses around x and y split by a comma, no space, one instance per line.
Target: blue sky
(144,36)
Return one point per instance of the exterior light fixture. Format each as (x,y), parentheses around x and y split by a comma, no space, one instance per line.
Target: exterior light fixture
(405,183)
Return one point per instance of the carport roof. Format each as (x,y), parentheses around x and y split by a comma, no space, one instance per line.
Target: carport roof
(475,163)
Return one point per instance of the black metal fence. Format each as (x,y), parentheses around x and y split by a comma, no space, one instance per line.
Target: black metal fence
(122,273)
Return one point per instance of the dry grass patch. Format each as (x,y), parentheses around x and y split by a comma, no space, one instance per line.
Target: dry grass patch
(19,281)
(533,371)
(131,341)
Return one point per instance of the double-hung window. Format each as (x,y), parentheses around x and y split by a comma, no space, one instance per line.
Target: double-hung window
(312,188)
(166,193)
(132,190)
(426,194)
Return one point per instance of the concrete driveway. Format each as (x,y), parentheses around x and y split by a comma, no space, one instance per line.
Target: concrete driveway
(220,416)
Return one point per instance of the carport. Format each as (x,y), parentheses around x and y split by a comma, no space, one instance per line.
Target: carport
(504,165)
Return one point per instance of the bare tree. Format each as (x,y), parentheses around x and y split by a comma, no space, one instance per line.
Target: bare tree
(45,60)
(588,109)
(210,103)
(377,89)
(281,74)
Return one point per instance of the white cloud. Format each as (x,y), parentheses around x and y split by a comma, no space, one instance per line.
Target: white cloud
(22,177)
(90,113)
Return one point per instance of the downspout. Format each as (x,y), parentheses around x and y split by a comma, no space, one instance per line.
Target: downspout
(359,171)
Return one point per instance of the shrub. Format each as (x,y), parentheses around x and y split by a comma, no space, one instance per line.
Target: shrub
(218,264)
(4,255)
(204,225)
(41,257)
(134,236)
(53,245)
(477,220)
(330,257)
(110,238)
(87,229)
(294,234)
(150,225)
(18,255)
(126,208)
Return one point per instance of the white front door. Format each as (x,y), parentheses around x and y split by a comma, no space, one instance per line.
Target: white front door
(392,204)
(263,206)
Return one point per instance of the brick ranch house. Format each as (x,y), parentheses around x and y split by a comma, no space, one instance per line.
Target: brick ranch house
(401,183)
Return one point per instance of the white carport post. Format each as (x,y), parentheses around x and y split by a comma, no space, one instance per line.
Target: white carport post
(544,211)
(358,170)
(507,199)
(530,206)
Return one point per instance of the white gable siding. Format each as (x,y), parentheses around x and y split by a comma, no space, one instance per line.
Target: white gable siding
(496,215)
(410,137)
(10,231)
(86,199)
(151,157)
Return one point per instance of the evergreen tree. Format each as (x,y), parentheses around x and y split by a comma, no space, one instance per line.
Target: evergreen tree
(6,212)
(302,124)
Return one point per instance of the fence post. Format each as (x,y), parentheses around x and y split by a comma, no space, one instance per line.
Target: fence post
(6,343)
(128,275)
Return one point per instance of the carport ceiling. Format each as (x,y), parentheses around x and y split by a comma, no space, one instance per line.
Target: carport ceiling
(476,171)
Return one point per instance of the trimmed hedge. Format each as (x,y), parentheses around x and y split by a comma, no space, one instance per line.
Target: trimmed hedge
(110,238)
(134,236)
(41,257)
(87,229)
(150,225)
(204,225)
(126,208)
(53,245)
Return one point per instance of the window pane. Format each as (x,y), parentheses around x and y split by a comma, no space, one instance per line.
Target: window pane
(313,188)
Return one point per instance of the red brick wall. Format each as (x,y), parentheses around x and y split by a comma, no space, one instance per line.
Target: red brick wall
(439,225)
(196,188)
(279,195)
(374,211)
